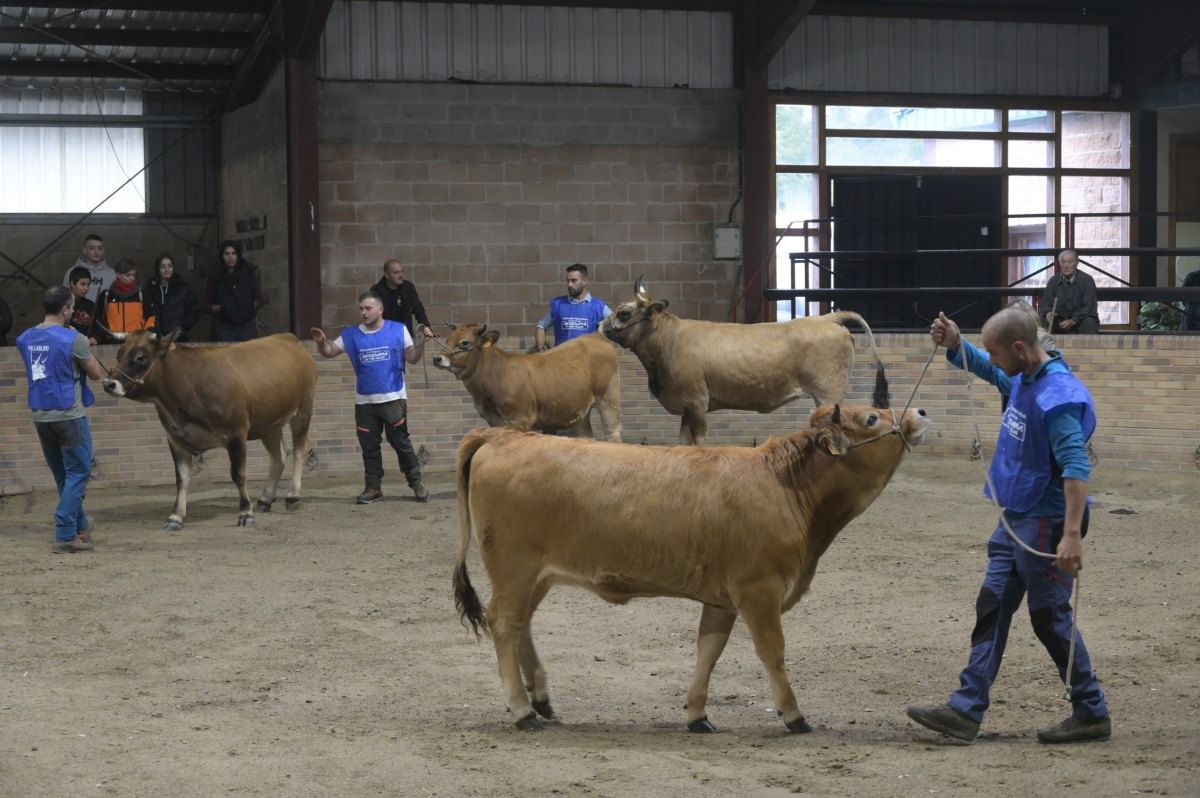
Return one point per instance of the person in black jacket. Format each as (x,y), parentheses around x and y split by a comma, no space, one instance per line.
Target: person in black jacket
(170,300)
(400,300)
(6,322)
(233,296)
(1191,313)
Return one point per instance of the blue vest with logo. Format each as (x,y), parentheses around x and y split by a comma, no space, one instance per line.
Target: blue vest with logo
(1024,463)
(50,369)
(378,358)
(573,319)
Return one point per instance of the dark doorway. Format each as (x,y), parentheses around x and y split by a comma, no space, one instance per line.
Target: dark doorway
(905,213)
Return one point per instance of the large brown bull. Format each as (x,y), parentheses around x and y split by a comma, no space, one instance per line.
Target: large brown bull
(739,530)
(223,396)
(546,391)
(698,366)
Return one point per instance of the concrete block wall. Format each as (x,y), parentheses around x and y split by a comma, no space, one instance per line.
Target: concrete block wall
(1147,400)
(254,184)
(487,193)
(124,237)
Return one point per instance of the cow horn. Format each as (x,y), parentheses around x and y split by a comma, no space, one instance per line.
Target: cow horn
(837,414)
(639,288)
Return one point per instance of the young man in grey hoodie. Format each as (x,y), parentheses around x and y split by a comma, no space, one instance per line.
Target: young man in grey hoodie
(93,260)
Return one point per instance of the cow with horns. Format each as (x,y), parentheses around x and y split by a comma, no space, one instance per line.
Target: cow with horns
(737,529)
(695,367)
(223,396)
(544,391)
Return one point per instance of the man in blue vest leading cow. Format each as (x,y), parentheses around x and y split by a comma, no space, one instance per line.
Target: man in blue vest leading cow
(57,363)
(578,313)
(1039,472)
(378,350)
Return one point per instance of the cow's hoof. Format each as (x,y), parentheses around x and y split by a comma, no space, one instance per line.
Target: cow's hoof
(531,722)
(172,525)
(292,502)
(262,507)
(799,726)
(702,726)
(245,520)
(543,709)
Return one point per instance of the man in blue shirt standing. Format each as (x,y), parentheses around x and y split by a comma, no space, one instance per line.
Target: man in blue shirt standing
(57,363)
(1039,473)
(578,313)
(378,350)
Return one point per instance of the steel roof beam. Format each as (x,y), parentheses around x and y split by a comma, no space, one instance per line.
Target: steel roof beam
(133,70)
(204,40)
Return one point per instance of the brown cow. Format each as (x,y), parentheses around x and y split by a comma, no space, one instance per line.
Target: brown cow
(546,391)
(695,367)
(737,529)
(223,396)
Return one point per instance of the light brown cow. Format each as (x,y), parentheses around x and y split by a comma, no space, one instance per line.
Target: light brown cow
(695,367)
(223,396)
(545,391)
(737,529)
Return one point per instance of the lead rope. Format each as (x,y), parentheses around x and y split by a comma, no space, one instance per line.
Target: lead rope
(992,495)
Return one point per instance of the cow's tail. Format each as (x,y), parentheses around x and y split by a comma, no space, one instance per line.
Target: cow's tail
(880,398)
(465,597)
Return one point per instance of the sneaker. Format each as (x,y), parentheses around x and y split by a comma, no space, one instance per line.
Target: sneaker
(421,492)
(945,719)
(71,546)
(1077,730)
(369,496)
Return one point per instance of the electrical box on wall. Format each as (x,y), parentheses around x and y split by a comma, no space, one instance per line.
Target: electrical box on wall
(727,242)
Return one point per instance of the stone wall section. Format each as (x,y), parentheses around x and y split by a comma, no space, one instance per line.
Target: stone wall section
(487,193)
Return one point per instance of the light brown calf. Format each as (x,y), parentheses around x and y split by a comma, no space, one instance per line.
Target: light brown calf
(546,391)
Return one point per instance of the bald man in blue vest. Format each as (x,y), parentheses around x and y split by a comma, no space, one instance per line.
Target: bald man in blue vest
(578,313)
(1039,475)
(378,350)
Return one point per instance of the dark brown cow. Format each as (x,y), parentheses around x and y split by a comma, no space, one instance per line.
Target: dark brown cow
(737,529)
(546,391)
(223,396)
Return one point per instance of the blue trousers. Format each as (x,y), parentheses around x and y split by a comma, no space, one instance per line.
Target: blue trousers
(67,447)
(1013,574)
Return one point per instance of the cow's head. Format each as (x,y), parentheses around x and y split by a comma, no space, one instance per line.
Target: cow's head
(463,346)
(633,321)
(843,428)
(140,354)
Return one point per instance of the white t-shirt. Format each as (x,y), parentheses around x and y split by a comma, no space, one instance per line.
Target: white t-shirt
(378,398)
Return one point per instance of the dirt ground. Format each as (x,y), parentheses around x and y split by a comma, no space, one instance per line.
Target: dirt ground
(320,654)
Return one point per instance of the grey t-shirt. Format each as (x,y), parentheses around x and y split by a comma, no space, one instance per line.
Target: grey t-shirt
(80,353)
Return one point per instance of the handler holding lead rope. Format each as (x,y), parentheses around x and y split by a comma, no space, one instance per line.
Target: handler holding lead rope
(1039,476)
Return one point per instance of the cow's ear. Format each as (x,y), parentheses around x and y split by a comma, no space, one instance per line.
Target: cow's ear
(834,441)
(168,342)
(659,305)
(491,337)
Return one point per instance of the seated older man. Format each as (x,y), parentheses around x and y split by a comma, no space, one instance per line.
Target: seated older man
(1075,294)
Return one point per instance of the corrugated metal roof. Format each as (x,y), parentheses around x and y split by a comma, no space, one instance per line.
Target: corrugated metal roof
(56,47)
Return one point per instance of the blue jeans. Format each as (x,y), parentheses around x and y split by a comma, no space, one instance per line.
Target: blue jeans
(1013,574)
(67,446)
